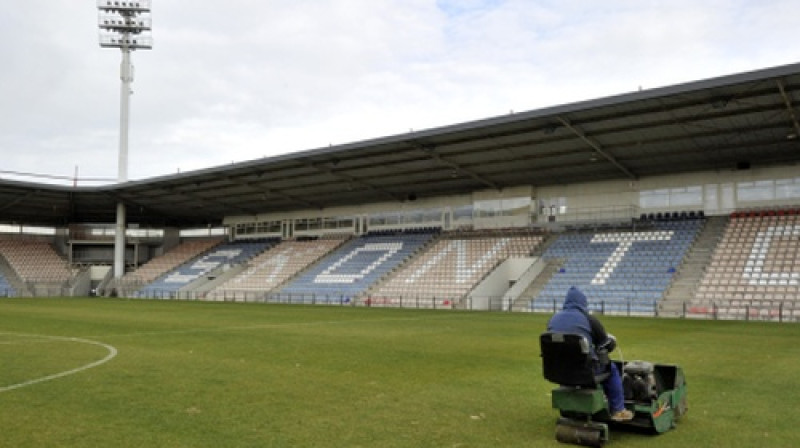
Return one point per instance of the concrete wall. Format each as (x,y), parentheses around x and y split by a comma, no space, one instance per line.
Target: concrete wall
(499,281)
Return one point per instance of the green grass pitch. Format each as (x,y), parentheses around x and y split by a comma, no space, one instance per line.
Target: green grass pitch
(137,373)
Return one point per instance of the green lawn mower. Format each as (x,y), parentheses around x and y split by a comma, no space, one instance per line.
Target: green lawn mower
(655,393)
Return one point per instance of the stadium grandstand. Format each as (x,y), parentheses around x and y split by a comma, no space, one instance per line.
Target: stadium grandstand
(681,201)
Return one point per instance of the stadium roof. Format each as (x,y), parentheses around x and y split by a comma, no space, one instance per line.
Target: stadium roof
(725,123)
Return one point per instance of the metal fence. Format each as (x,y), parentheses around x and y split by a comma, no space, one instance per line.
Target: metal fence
(765,310)
(787,310)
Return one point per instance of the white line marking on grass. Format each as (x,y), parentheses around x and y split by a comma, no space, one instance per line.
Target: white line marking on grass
(112,352)
(262,326)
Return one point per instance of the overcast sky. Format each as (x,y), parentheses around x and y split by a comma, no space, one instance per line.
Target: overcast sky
(236,80)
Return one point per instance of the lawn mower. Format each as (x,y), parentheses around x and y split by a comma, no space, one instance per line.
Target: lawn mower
(655,393)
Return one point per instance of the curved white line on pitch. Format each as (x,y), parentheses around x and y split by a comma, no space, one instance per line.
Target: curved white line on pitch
(112,352)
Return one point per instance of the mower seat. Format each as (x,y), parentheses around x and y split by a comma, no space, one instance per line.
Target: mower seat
(567,360)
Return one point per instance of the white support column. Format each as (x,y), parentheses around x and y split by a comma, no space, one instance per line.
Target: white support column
(119,242)
(126,78)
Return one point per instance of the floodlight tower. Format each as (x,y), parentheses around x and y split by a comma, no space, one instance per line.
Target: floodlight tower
(125,25)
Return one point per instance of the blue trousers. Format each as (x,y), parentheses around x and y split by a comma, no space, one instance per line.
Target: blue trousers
(612,387)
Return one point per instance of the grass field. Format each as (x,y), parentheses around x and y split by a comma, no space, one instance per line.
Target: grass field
(119,373)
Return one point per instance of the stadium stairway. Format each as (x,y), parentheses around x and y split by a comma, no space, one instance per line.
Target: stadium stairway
(535,288)
(6,290)
(459,270)
(275,268)
(10,283)
(691,272)
(172,258)
(398,270)
(353,268)
(523,302)
(188,275)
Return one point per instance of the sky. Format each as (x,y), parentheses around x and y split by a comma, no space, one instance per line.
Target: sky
(237,80)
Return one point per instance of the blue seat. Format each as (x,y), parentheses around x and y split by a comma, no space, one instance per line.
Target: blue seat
(642,275)
(229,253)
(358,264)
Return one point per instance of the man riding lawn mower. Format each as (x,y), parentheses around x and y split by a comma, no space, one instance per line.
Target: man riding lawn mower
(592,394)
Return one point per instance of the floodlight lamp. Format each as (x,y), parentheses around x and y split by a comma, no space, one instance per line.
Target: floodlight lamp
(120,24)
(125,24)
(131,42)
(124,6)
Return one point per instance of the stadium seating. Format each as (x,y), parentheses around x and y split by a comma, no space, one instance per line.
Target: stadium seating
(451,267)
(233,253)
(627,270)
(351,269)
(754,269)
(35,261)
(274,267)
(158,266)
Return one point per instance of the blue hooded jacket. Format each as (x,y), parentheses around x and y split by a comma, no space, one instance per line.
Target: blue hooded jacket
(574,318)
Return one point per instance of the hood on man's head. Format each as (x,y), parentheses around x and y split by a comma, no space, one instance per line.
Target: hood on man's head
(576,299)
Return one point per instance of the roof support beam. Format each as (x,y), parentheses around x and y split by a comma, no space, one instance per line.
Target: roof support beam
(328,170)
(125,199)
(202,200)
(291,198)
(265,190)
(18,200)
(789,107)
(595,146)
(431,151)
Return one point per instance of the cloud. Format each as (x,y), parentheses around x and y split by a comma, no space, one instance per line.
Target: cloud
(245,79)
